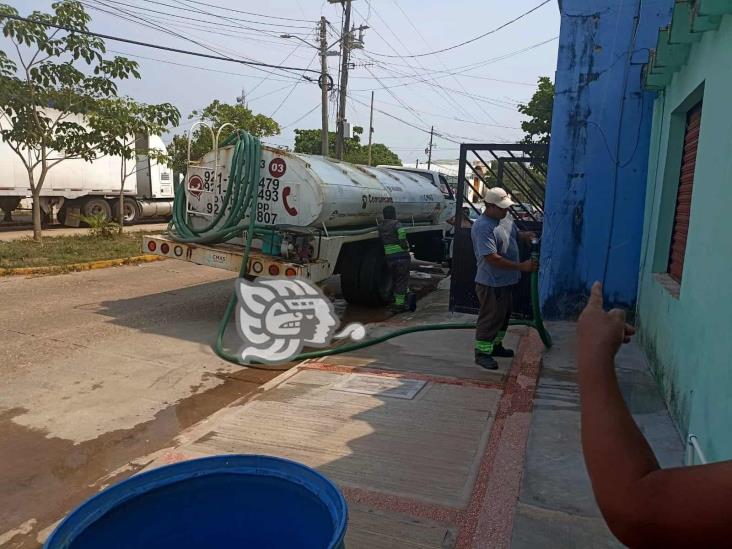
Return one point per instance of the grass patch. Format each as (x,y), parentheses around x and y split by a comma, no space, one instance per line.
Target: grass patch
(67,250)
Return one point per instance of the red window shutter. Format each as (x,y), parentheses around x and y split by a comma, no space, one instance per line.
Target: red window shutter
(683,197)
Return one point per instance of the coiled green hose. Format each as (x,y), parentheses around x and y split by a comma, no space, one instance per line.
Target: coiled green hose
(241,191)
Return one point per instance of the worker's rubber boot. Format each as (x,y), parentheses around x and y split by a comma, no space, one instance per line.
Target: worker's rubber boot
(499,351)
(485,361)
(398,309)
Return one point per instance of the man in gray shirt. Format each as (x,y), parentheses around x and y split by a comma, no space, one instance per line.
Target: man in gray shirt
(499,270)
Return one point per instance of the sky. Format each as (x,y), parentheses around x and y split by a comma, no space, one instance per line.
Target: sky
(476,105)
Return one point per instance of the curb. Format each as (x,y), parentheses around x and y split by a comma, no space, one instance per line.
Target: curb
(75,267)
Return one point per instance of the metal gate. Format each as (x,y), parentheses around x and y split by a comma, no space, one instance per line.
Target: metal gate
(521,170)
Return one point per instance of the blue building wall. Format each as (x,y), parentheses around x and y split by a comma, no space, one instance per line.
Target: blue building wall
(598,160)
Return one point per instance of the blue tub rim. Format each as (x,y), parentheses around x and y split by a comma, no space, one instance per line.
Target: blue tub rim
(96,506)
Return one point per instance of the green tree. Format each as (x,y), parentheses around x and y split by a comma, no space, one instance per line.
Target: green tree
(308,142)
(538,127)
(42,101)
(123,127)
(216,115)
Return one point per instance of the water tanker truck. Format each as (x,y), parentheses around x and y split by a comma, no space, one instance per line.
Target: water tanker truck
(315,217)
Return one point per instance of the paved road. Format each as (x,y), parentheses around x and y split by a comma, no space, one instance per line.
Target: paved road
(97,369)
(9,233)
(102,367)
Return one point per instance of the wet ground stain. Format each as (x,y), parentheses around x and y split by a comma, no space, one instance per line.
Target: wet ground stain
(44,478)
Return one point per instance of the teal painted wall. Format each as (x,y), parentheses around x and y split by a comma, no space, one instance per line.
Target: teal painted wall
(689,339)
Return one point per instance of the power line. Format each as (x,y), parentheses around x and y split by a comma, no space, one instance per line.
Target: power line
(282,78)
(292,90)
(445,95)
(462,70)
(155,46)
(302,117)
(458,82)
(183,27)
(151,24)
(228,17)
(271,32)
(443,135)
(254,14)
(455,119)
(494,102)
(503,26)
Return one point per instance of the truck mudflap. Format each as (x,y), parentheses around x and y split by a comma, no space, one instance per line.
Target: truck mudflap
(230,257)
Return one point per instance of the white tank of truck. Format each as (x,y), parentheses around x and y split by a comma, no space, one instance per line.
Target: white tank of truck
(323,216)
(312,191)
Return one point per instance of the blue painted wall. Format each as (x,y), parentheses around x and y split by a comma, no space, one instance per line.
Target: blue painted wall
(598,160)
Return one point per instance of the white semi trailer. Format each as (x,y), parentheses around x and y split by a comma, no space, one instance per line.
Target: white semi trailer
(323,216)
(92,187)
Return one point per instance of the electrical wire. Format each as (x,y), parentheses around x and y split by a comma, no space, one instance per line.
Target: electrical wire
(294,87)
(154,46)
(492,31)
(249,62)
(446,96)
(201,27)
(223,8)
(226,18)
(472,66)
(147,23)
(458,82)
(462,120)
(281,78)
(302,117)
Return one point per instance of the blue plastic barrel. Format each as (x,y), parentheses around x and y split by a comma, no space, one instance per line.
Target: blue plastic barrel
(227,501)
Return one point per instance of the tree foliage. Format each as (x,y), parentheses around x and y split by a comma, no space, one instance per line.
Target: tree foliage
(216,115)
(308,142)
(59,75)
(123,127)
(538,127)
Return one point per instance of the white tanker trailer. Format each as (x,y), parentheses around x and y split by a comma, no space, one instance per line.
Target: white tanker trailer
(323,215)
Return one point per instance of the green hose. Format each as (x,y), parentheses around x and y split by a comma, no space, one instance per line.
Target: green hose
(241,191)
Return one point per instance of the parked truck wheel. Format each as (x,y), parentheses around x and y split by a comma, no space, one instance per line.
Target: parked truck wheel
(132,211)
(7,205)
(365,275)
(95,206)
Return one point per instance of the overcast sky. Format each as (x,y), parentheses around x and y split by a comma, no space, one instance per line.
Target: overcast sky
(493,68)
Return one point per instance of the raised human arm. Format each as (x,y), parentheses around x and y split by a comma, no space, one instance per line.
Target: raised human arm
(644,505)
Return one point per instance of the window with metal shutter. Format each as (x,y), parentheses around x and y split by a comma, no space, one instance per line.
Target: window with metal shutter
(683,197)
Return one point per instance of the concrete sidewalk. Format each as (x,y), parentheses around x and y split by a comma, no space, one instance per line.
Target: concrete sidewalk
(430,450)
(556,508)
(426,446)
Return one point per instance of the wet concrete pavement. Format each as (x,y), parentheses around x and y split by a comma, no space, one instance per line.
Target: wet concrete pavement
(108,372)
(102,367)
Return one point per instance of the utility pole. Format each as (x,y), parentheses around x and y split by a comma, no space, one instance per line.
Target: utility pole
(324,85)
(242,99)
(371,124)
(429,152)
(345,50)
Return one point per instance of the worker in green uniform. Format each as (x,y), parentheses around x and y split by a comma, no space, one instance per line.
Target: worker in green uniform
(396,249)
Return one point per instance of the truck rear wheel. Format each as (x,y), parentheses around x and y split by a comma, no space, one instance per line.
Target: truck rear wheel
(132,212)
(365,275)
(95,206)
